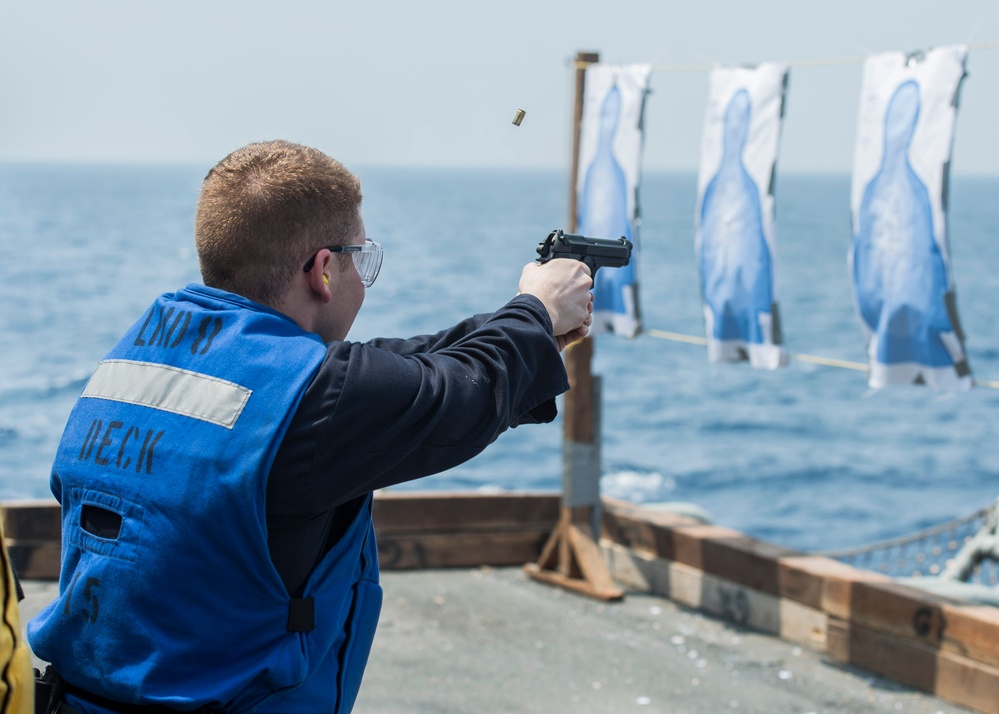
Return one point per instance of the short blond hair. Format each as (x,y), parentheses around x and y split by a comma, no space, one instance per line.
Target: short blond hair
(264,209)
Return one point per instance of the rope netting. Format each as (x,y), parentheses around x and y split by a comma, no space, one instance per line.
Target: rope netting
(938,551)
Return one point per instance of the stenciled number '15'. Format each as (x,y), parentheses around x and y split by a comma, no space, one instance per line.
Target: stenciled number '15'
(92,607)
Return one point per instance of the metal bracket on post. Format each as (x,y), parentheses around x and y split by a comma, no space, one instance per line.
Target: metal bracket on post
(572,558)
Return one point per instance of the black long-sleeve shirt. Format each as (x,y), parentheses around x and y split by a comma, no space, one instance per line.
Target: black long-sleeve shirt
(388,411)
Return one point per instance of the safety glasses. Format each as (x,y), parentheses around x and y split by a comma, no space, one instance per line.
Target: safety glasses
(367,259)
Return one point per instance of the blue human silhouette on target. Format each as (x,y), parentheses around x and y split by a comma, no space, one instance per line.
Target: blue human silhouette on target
(735,261)
(604,207)
(900,276)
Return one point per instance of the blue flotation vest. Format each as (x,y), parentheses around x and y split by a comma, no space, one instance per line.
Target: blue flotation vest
(167,593)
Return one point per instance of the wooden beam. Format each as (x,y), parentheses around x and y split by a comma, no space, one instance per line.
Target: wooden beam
(35,560)
(933,620)
(582,59)
(723,598)
(578,410)
(33,535)
(458,550)
(868,599)
(411,512)
(814,581)
(32,519)
(949,675)
(446,529)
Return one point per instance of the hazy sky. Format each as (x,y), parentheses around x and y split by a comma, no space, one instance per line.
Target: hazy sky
(437,82)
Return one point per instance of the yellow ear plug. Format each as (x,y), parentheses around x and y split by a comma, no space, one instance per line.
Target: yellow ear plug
(325,279)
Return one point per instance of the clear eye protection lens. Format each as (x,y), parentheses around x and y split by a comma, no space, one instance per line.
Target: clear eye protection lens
(368,262)
(367,259)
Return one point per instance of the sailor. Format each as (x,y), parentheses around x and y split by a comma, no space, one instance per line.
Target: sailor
(216,474)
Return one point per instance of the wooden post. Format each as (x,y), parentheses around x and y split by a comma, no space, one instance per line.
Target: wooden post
(571,558)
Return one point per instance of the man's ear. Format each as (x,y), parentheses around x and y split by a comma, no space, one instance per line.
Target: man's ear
(317,278)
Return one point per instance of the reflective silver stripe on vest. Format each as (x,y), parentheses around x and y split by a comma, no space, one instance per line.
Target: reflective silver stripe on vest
(170,389)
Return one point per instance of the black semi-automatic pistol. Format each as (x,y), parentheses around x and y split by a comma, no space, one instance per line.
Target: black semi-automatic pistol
(595,252)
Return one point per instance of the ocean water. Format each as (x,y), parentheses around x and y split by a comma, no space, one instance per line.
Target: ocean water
(807,456)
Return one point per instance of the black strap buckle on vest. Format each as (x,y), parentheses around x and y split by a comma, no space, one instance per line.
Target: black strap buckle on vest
(301,614)
(48,691)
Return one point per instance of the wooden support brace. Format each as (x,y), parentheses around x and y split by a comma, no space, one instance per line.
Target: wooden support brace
(571,558)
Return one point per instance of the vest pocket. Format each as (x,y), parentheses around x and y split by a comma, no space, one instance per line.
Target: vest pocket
(102,523)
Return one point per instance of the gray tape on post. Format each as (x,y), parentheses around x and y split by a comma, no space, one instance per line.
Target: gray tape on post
(581,477)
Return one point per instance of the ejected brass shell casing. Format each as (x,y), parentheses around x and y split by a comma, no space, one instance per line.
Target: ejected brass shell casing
(519,117)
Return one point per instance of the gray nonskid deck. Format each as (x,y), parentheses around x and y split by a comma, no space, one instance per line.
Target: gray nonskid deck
(491,640)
